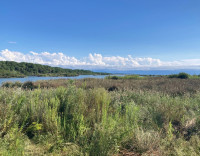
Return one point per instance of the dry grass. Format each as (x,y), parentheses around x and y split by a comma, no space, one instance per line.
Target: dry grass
(157,84)
(154,116)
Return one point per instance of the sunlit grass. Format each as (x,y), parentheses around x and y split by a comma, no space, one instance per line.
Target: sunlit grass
(75,120)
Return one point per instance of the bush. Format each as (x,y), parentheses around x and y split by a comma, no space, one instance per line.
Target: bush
(112,77)
(180,76)
(183,76)
(16,84)
(29,85)
(7,84)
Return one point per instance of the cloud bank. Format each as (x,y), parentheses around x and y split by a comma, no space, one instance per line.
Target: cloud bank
(97,61)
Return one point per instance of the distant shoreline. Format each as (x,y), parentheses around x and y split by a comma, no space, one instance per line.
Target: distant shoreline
(11,69)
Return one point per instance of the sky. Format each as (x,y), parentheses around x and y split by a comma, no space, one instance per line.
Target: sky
(99,34)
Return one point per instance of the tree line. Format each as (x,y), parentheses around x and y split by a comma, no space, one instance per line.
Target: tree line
(14,69)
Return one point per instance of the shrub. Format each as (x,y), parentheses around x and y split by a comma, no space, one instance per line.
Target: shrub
(29,85)
(16,84)
(183,76)
(7,84)
(112,77)
(180,76)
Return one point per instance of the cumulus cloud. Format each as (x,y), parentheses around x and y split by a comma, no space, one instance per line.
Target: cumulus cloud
(96,61)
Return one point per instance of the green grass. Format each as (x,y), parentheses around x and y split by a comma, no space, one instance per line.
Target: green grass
(76,120)
(136,77)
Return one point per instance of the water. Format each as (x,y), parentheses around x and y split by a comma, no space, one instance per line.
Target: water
(115,72)
(35,78)
(153,72)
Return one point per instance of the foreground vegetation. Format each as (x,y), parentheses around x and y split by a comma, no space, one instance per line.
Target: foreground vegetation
(154,116)
(14,69)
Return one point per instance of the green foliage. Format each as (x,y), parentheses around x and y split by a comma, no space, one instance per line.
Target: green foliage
(28,85)
(180,76)
(11,84)
(135,77)
(33,129)
(112,77)
(79,121)
(13,142)
(170,132)
(14,69)
(5,73)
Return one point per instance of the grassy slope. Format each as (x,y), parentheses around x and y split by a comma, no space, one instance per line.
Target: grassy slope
(14,69)
(83,118)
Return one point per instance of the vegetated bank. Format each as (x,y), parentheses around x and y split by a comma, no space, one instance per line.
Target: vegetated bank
(151,116)
(14,69)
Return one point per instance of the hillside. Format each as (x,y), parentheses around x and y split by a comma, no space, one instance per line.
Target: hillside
(14,69)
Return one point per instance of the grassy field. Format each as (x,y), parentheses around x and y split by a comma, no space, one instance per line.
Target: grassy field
(99,117)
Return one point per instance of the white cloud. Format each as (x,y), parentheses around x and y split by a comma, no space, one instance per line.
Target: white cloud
(97,61)
(12,42)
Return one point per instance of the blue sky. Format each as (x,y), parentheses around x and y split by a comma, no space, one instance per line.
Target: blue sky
(168,30)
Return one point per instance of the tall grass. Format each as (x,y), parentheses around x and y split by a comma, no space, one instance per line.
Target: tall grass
(79,121)
(135,77)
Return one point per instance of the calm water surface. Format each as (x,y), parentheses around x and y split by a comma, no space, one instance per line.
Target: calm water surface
(35,78)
